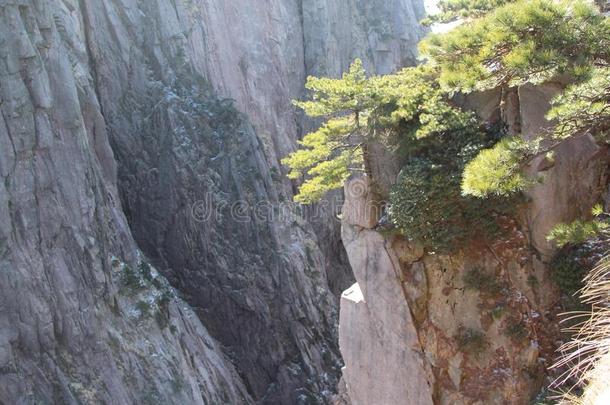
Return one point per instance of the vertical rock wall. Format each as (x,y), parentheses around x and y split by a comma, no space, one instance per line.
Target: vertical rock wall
(384,361)
(69,331)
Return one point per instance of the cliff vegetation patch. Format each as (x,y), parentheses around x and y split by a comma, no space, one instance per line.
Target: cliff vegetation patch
(460,174)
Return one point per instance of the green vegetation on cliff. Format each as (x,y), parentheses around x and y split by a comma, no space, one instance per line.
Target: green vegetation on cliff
(529,42)
(521,42)
(458,173)
(580,231)
(411,115)
(451,10)
(406,111)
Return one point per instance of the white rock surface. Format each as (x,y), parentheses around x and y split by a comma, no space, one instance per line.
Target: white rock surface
(377,336)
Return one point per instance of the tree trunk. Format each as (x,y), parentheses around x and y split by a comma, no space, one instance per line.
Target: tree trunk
(510,110)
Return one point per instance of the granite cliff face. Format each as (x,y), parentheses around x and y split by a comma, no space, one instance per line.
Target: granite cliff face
(71,331)
(120,154)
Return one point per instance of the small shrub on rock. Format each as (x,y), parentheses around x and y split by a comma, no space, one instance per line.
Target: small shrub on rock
(471,341)
(477,279)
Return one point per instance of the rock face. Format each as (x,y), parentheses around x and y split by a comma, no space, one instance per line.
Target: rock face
(484,317)
(70,331)
(383,356)
(384,34)
(115,123)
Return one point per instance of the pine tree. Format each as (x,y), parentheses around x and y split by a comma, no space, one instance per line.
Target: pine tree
(328,156)
(529,42)
(399,110)
(409,113)
(522,41)
(451,10)
(505,44)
